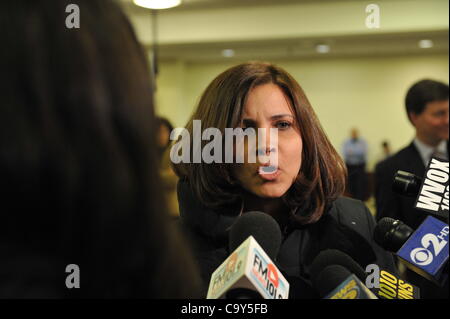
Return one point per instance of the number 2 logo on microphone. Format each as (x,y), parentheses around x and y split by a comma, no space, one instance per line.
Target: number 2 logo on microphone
(422,255)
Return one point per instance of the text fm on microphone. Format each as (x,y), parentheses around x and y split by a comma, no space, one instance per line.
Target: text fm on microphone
(298,177)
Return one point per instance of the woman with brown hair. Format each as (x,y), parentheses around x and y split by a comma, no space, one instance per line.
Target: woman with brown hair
(302,191)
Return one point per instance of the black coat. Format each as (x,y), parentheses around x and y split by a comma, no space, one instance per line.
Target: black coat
(346,226)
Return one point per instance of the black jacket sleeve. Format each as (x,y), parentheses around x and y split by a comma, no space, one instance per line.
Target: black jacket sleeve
(356,217)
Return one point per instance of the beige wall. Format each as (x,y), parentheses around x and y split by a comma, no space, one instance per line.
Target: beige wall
(366,92)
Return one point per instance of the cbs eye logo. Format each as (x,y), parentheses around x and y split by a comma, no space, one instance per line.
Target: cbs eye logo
(422,256)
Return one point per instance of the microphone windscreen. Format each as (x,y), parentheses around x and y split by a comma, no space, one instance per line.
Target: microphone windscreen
(335,257)
(391,234)
(329,278)
(262,227)
(406,184)
(381,229)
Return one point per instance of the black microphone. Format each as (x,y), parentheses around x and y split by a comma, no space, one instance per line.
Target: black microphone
(262,227)
(425,251)
(335,275)
(391,234)
(329,278)
(406,184)
(335,257)
(266,232)
(431,193)
(249,272)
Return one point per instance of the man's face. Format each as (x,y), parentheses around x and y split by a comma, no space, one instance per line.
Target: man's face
(432,123)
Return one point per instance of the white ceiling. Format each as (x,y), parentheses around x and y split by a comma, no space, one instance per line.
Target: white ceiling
(349,46)
(207,4)
(379,43)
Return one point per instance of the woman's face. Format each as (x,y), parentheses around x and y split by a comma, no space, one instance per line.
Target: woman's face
(267,107)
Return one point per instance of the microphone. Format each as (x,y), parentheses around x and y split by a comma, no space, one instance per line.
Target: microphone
(432,192)
(392,287)
(336,257)
(342,284)
(406,184)
(329,278)
(335,275)
(249,272)
(335,271)
(262,227)
(424,251)
(391,234)
(389,286)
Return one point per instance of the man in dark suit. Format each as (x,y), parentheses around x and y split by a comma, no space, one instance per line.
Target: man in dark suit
(427,107)
(428,110)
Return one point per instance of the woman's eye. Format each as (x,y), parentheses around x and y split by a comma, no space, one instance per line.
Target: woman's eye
(283,125)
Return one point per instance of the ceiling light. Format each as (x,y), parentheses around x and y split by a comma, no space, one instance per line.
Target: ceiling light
(323,48)
(157,4)
(425,44)
(228,53)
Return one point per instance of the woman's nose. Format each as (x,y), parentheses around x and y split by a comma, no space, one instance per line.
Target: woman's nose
(267,146)
(267,140)
(261,151)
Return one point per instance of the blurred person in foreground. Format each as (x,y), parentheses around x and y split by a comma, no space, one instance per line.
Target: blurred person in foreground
(303,195)
(428,111)
(168,176)
(79,178)
(164,128)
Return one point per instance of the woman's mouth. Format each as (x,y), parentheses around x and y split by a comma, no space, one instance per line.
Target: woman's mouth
(269,173)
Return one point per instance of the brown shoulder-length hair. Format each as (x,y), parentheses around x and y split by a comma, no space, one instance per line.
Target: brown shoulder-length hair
(322,176)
